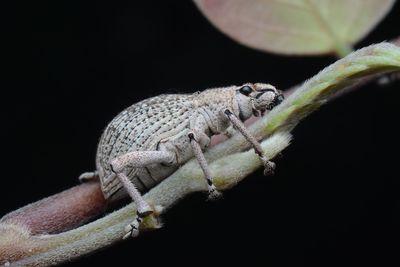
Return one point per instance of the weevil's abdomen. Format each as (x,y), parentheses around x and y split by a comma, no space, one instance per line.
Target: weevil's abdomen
(141,127)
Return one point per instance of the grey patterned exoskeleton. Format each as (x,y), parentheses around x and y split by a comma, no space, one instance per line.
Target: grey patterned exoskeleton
(148,141)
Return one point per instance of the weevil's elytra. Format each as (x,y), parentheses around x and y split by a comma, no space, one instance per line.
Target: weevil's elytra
(149,140)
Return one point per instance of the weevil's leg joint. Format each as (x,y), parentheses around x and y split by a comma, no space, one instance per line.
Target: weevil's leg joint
(191,136)
(116,165)
(228,113)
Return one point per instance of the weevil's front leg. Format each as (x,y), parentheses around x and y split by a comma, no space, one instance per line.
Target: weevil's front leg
(269,166)
(198,153)
(138,159)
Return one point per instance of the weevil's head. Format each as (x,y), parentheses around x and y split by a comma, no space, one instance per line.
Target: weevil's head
(255,99)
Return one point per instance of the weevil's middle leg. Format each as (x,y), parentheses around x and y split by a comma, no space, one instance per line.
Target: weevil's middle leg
(198,153)
(269,166)
(138,159)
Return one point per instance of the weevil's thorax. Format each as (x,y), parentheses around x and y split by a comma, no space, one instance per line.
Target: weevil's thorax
(212,102)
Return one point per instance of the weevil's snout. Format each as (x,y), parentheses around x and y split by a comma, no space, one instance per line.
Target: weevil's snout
(255,99)
(278,99)
(267,97)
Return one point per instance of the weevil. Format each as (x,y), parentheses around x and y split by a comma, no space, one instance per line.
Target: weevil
(149,140)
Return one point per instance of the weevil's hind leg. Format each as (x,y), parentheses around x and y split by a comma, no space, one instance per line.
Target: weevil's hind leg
(269,166)
(88,176)
(143,208)
(138,159)
(213,193)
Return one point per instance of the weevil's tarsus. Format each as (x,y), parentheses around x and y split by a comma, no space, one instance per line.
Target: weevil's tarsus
(132,229)
(213,193)
(152,222)
(269,166)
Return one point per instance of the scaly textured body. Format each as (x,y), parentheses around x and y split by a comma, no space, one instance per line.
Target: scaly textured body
(154,121)
(149,140)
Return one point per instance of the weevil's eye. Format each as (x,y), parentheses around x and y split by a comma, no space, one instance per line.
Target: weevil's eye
(246,90)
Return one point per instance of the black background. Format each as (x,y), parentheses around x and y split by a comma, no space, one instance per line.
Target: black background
(70,66)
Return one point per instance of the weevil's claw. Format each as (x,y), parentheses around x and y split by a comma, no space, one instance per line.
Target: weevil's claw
(131,230)
(153,222)
(269,166)
(269,171)
(213,193)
